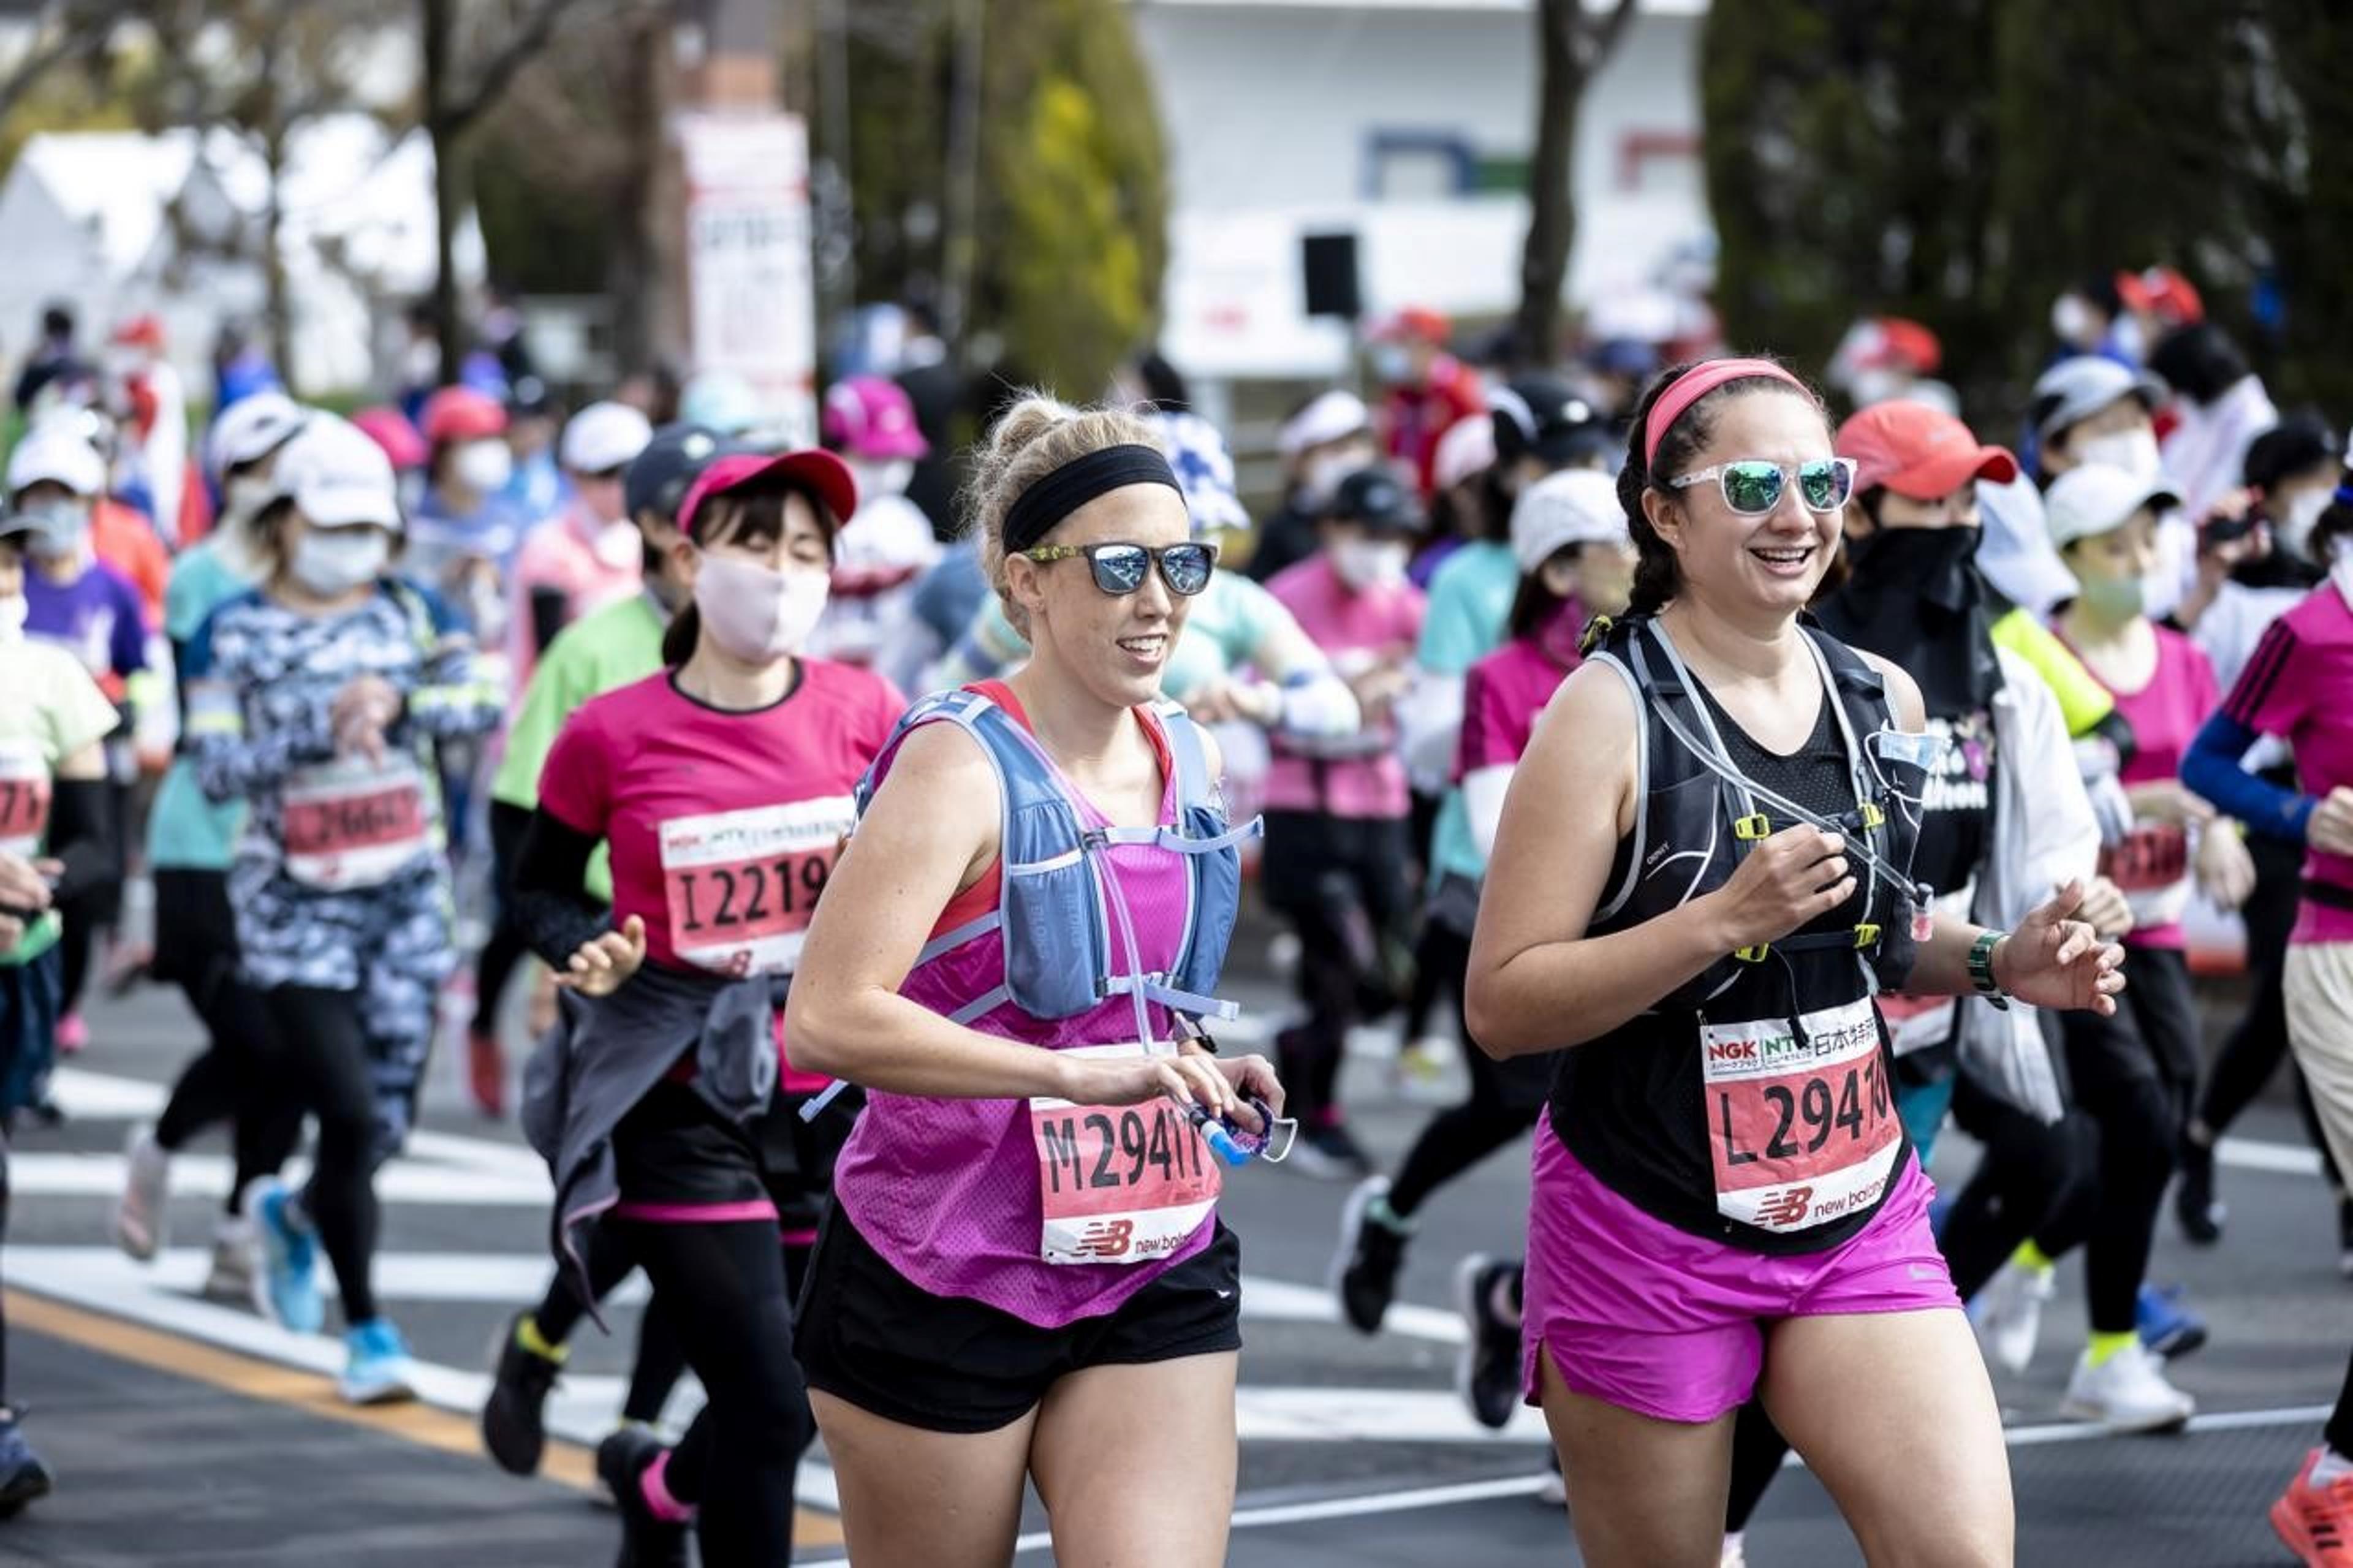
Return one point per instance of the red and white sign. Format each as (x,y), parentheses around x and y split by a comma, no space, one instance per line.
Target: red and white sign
(751,285)
(742,885)
(354,823)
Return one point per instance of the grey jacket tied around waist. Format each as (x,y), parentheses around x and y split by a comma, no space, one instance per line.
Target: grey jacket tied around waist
(608,1052)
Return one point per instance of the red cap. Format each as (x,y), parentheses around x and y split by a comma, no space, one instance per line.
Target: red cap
(1906,343)
(1918,451)
(823,472)
(461,414)
(144,330)
(2172,296)
(390,429)
(1416,322)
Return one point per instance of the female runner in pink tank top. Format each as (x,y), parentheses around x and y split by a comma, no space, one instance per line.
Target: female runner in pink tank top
(954,1341)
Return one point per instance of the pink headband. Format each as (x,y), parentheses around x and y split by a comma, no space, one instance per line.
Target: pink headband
(1696,384)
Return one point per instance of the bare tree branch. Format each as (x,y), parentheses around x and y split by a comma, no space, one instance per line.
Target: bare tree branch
(82,31)
(1599,41)
(458,113)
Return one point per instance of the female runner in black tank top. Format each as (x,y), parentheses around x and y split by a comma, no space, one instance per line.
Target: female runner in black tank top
(1892,1408)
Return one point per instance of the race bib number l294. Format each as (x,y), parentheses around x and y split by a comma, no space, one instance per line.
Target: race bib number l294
(354,824)
(1118,1183)
(1801,1123)
(742,885)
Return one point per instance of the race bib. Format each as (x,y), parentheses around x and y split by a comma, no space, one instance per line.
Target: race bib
(24,798)
(1801,1126)
(742,885)
(1119,1184)
(2151,868)
(352,823)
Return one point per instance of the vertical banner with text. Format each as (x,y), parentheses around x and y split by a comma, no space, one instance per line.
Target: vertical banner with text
(752,301)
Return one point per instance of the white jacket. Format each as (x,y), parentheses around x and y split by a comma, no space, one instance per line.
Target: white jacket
(2046,835)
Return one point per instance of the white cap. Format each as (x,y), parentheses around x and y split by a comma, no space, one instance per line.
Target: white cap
(1576,506)
(55,450)
(1467,447)
(601,437)
(250,428)
(2097,499)
(336,477)
(1326,418)
(2081,385)
(2015,552)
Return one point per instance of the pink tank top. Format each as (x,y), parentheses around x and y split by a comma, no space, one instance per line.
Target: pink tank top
(947,1189)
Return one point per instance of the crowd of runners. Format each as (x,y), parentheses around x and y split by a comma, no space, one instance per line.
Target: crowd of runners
(1743,789)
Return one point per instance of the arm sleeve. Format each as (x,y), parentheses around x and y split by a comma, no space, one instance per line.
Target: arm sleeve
(81,835)
(456,698)
(2214,770)
(550,610)
(555,914)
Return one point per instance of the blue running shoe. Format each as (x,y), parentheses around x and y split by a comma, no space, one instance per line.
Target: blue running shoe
(2165,1322)
(286,1289)
(23,1477)
(376,1368)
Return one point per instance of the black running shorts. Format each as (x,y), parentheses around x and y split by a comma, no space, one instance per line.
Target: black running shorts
(947,1364)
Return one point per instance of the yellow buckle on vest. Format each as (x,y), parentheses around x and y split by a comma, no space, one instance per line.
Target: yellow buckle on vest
(1753,954)
(1755,825)
(1866,934)
(1873,818)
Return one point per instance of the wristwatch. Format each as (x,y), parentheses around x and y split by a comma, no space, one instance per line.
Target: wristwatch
(1981,968)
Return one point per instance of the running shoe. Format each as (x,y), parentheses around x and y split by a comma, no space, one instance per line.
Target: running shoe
(1372,1246)
(140,1215)
(514,1418)
(73,1033)
(2127,1393)
(2316,1521)
(2201,1214)
(23,1477)
(236,1261)
(1735,1552)
(648,1541)
(377,1365)
(1487,1375)
(1554,1493)
(286,1289)
(2165,1322)
(2008,1313)
(486,1074)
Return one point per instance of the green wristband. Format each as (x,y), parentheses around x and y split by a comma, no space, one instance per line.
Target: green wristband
(1981,968)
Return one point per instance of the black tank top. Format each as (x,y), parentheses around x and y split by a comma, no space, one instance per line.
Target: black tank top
(1632,1104)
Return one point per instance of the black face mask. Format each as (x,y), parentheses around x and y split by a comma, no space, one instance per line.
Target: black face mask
(1916,599)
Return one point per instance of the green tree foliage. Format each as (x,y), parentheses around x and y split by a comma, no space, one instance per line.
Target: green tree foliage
(1963,162)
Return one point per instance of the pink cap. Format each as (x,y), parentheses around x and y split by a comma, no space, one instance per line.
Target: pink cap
(821,472)
(461,414)
(390,429)
(870,416)
(1698,383)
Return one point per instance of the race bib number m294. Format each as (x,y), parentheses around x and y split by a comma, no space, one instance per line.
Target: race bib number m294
(1118,1183)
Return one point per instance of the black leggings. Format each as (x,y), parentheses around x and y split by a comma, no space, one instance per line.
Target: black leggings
(4,1235)
(2253,1051)
(1505,1096)
(1342,882)
(230,1081)
(612,1256)
(506,948)
(96,909)
(323,1055)
(726,1284)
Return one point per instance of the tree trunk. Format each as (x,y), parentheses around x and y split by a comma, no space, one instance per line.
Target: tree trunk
(277,311)
(448,195)
(634,282)
(1552,205)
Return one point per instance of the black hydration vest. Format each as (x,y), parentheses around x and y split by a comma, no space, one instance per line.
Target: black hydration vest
(1630,1105)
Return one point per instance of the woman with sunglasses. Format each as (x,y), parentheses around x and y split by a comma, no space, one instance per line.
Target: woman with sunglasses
(671,1106)
(1724,1199)
(1023,1277)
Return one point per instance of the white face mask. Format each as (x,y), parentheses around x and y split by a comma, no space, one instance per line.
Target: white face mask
(884,478)
(12,611)
(2134,451)
(619,544)
(484,467)
(331,562)
(2295,527)
(1368,563)
(756,615)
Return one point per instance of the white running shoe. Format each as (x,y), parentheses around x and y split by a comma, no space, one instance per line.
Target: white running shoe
(2127,1393)
(2008,1314)
(141,1214)
(236,1262)
(1735,1554)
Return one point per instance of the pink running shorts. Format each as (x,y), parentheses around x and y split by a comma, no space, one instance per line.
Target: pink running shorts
(1655,1319)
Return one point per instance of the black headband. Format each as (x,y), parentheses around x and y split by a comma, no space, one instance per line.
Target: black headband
(1079,482)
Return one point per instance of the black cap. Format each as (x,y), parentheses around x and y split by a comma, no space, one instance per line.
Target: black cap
(657,478)
(1373,499)
(1542,416)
